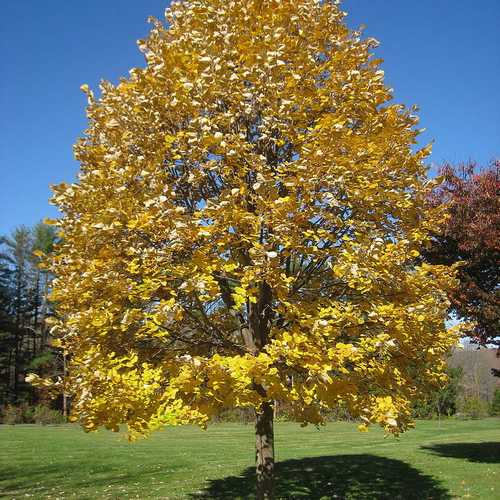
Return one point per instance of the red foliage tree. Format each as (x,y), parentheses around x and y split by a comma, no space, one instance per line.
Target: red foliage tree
(471,235)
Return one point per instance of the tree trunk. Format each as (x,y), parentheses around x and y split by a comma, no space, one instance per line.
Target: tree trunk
(264,452)
(43,312)
(36,307)
(65,399)
(259,321)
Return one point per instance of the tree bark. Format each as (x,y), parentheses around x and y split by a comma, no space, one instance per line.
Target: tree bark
(36,307)
(259,322)
(43,312)
(264,451)
(65,399)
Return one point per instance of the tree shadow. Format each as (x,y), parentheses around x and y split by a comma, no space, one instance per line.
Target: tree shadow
(335,477)
(485,452)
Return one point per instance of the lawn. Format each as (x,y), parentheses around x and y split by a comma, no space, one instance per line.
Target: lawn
(439,460)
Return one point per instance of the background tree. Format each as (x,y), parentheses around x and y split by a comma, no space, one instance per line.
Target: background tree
(7,326)
(244,229)
(44,238)
(19,246)
(443,401)
(24,305)
(472,235)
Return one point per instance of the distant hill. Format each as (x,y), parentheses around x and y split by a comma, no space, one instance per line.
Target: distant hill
(477,365)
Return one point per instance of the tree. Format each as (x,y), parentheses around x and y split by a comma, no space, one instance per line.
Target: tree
(23,308)
(444,400)
(7,327)
(19,247)
(244,229)
(44,237)
(471,236)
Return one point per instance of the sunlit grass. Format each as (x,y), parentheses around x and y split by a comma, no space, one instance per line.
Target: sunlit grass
(448,459)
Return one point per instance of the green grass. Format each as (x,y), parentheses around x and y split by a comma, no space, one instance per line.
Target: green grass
(451,459)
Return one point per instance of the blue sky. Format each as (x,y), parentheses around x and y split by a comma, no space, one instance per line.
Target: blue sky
(440,54)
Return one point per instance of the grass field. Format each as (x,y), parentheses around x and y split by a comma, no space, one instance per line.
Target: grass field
(438,460)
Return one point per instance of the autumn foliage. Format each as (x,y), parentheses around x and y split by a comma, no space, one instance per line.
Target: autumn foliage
(472,236)
(244,229)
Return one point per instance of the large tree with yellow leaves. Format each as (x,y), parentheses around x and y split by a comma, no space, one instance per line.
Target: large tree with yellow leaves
(245,228)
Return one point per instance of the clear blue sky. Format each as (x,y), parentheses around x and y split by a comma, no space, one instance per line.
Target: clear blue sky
(440,54)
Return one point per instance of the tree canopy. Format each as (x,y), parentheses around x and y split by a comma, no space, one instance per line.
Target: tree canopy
(471,236)
(248,208)
(245,226)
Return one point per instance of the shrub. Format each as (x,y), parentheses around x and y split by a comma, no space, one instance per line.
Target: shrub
(473,407)
(28,412)
(235,415)
(495,404)
(45,415)
(25,414)
(12,415)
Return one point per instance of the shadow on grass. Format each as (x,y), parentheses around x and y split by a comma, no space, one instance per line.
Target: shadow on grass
(486,452)
(335,477)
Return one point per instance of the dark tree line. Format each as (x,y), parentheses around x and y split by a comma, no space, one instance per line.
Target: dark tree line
(24,306)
